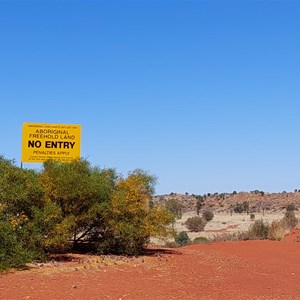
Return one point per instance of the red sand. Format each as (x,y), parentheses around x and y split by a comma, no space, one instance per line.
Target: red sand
(233,270)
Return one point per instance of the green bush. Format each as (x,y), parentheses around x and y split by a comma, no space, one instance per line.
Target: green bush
(258,230)
(208,215)
(200,240)
(13,253)
(195,224)
(182,238)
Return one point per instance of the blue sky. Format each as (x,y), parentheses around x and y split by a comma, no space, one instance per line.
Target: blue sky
(203,94)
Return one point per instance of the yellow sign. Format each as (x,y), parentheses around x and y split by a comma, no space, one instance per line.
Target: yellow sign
(41,142)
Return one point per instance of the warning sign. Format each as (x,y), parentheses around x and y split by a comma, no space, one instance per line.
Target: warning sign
(41,142)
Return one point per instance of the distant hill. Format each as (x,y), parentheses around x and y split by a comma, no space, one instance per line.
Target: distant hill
(257,201)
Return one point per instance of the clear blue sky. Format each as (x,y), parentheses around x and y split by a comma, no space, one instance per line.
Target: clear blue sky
(203,94)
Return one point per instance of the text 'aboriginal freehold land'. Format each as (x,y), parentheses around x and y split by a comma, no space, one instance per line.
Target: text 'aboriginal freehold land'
(41,142)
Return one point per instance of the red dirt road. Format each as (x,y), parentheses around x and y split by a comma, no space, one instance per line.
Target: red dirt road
(235,270)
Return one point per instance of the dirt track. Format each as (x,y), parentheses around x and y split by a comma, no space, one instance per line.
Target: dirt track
(237,270)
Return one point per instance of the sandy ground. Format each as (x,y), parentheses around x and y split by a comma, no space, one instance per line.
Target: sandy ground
(230,270)
(221,223)
(224,222)
(236,270)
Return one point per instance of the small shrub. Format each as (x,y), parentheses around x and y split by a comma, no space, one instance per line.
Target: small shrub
(238,209)
(258,230)
(252,217)
(171,244)
(291,207)
(290,219)
(182,238)
(208,215)
(225,237)
(277,230)
(195,224)
(200,240)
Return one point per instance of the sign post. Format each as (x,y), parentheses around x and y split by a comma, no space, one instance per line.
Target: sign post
(42,142)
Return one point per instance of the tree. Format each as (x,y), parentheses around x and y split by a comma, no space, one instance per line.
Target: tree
(20,190)
(20,195)
(199,203)
(81,194)
(175,208)
(130,220)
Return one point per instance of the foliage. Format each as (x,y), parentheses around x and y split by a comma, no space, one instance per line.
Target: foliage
(208,215)
(226,237)
(13,253)
(81,194)
(20,190)
(182,238)
(195,224)
(290,219)
(69,204)
(252,217)
(244,207)
(277,230)
(130,221)
(200,240)
(238,209)
(291,207)
(199,203)
(258,230)
(175,208)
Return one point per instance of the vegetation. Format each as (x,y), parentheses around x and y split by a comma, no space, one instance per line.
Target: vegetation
(208,215)
(258,230)
(199,203)
(175,208)
(200,240)
(240,208)
(195,224)
(290,219)
(66,205)
(291,207)
(277,230)
(182,238)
